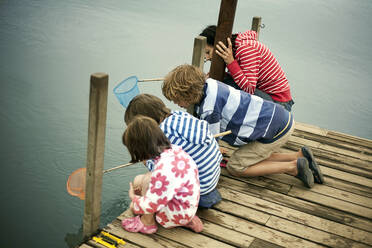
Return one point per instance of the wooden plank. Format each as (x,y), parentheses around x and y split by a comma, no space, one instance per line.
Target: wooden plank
(178,235)
(347,164)
(224,29)
(255,230)
(331,149)
(296,216)
(226,235)
(342,195)
(345,167)
(349,187)
(189,238)
(259,243)
(331,202)
(336,161)
(333,142)
(85,246)
(310,128)
(332,187)
(347,176)
(96,149)
(336,138)
(242,211)
(139,238)
(268,183)
(349,138)
(298,204)
(312,234)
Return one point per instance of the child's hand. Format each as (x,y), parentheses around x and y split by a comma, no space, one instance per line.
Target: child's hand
(224,52)
(223,151)
(137,191)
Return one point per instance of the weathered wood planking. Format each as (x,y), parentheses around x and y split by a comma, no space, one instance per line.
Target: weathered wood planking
(277,210)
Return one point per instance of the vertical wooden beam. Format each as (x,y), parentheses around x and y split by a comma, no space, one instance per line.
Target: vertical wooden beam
(198,60)
(96,146)
(256,25)
(199,52)
(224,29)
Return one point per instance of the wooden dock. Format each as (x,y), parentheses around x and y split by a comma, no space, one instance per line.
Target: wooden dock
(277,210)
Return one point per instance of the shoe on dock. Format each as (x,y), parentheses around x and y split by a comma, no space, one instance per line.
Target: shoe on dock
(304,173)
(313,165)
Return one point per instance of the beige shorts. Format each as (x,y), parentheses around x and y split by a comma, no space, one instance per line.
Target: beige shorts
(252,153)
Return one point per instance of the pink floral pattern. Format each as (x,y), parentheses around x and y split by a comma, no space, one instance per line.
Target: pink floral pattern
(162,202)
(162,218)
(180,166)
(181,220)
(185,189)
(159,184)
(174,189)
(177,205)
(136,206)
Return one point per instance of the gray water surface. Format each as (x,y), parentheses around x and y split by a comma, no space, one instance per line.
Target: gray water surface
(49,49)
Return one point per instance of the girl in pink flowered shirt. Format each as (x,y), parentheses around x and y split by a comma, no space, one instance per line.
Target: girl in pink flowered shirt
(171,192)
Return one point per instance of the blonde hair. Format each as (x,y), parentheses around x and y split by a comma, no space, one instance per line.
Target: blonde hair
(184,83)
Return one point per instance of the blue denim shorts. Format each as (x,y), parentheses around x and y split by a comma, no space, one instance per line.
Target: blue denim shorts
(208,200)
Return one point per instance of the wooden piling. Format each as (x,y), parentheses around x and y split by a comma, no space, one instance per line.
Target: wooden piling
(198,60)
(199,51)
(256,25)
(224,29)
(95,154)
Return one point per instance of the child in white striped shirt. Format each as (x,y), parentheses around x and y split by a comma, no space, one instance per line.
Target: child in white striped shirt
(192,134)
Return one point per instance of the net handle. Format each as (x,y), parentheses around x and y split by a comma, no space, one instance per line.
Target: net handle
(128,164)
(118,167)
(150,79)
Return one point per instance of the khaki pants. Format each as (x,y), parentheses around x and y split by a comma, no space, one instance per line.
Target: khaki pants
(252,153)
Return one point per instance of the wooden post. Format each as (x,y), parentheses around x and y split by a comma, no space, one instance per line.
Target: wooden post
(199,52)
(96,145)
(256,25)
(198,60)
(224,29)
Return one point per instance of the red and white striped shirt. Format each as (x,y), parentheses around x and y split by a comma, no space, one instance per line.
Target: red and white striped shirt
(256,67)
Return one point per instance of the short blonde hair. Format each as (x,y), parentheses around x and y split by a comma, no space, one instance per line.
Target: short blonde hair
(184,83)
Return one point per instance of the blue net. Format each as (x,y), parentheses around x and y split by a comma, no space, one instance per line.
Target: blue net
(127,90)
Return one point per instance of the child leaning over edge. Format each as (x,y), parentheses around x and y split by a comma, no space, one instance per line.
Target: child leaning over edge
(173,189)
(192,134)
(259,127)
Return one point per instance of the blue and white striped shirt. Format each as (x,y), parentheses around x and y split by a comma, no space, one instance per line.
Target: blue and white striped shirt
(249,117)
(195,138)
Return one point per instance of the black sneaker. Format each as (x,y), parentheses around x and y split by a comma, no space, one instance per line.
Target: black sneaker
(304,173)
(313,165)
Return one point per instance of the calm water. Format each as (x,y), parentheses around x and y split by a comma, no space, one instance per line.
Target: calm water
(48,49)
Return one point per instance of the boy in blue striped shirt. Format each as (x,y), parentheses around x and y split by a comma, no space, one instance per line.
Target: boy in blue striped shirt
(258,127)
(192,134)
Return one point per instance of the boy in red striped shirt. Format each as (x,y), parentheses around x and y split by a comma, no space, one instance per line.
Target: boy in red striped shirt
(252,66)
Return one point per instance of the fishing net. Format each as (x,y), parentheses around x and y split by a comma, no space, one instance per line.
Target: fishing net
(127,90)
(76,183)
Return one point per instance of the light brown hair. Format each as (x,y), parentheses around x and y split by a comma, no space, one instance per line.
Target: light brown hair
(184,83)
(146,105)
(144,139)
